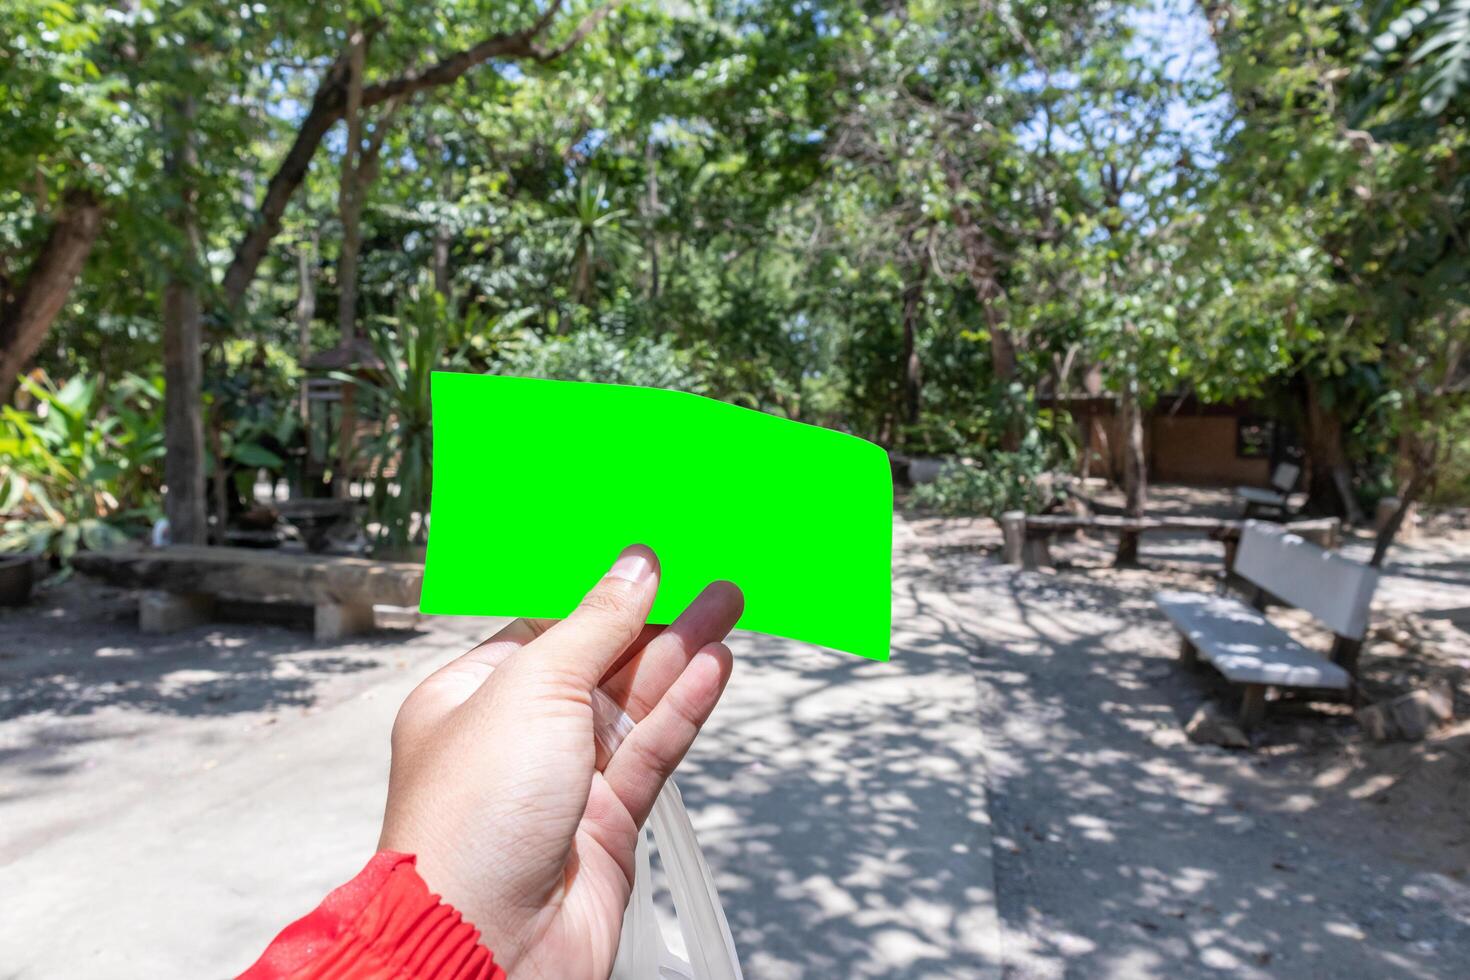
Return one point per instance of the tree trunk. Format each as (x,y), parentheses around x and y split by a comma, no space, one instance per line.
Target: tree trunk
(982,267)
(1329,487)
(329,104)
(443,236)
(359,170)
(349,194)
(1419,460)
(26,317)
(183,421)
(326,109)
(913,309)
(650,216)
(1135,469)
(305,312)
(440,259)
(1095,441)
(349,205)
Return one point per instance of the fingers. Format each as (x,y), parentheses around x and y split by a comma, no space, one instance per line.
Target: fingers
(655,746)
(638,684)
(452,684)
(586,644)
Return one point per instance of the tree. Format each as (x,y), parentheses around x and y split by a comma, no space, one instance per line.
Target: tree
(1380,206)
(27,311)
(591,234)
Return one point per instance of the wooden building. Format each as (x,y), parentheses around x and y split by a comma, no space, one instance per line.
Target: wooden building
(1185,440)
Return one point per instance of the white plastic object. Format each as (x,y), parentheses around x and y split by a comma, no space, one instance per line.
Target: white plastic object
(642,952)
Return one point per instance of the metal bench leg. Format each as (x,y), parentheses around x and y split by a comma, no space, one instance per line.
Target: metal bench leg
(1253,706)
(1188,652)
(1345,654)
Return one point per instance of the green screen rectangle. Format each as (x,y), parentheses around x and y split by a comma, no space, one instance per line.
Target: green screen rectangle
(539,484)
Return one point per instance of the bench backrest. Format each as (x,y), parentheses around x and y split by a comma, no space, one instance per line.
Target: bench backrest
(1283,477)
(1334,589)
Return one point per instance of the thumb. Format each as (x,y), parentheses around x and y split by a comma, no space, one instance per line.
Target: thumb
(607,622)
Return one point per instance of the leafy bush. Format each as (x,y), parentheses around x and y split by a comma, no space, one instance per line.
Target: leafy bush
(995,482)
(594,355)
(253,422)
(1452,482)
(79,469)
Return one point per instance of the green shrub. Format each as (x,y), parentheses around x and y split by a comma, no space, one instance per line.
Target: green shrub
(1452,483)
(995,482)
(594,355)
(79,469)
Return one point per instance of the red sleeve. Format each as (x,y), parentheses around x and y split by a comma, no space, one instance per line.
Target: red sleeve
(384,924)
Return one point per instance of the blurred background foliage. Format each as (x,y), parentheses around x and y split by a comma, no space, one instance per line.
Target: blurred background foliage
(915,221)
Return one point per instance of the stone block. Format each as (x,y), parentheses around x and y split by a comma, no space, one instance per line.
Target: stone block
(337,620)
(1410,717)
(1212,726)
(165,612)
(1420,712)
(1376,722)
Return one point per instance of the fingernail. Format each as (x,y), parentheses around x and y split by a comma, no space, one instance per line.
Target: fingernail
(631,567)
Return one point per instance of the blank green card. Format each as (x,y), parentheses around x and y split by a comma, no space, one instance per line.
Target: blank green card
(539,484)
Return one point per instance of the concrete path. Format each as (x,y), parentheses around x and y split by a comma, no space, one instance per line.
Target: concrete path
(167,804)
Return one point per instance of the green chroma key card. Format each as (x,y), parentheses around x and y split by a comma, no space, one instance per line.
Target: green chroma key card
(539,484)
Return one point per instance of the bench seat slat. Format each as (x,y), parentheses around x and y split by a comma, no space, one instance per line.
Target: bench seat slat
(1245,646)
(1266,498)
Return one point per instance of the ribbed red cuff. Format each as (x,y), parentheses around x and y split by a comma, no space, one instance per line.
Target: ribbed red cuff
(384,924)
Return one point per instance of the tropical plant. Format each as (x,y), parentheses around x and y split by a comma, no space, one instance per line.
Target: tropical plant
(254,422)
(595,355)
(411,349)
(592,235)
(1431,38)
(79,468)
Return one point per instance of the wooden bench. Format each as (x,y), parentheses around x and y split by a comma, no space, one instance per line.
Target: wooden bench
(1246,648)
(183,583)
(1026,537)
(1277,499)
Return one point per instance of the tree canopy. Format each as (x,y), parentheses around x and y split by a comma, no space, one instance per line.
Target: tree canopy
(929,223)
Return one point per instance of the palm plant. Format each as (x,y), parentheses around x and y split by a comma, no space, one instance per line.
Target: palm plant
(592,236)
(1438,67)
(421,337)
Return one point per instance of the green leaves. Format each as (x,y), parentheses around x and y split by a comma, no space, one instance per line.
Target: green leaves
(79,468)
(992,483)
(1438,66)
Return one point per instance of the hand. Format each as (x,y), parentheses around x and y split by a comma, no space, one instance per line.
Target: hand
(497,784)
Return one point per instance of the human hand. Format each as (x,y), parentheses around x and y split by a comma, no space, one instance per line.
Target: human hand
(498,786)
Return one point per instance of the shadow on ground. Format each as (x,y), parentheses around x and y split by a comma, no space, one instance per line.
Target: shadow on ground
(76,656)
(1122,850)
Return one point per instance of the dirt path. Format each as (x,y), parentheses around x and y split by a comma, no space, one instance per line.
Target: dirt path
(1013,788)
(1122,850)
(168,803)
